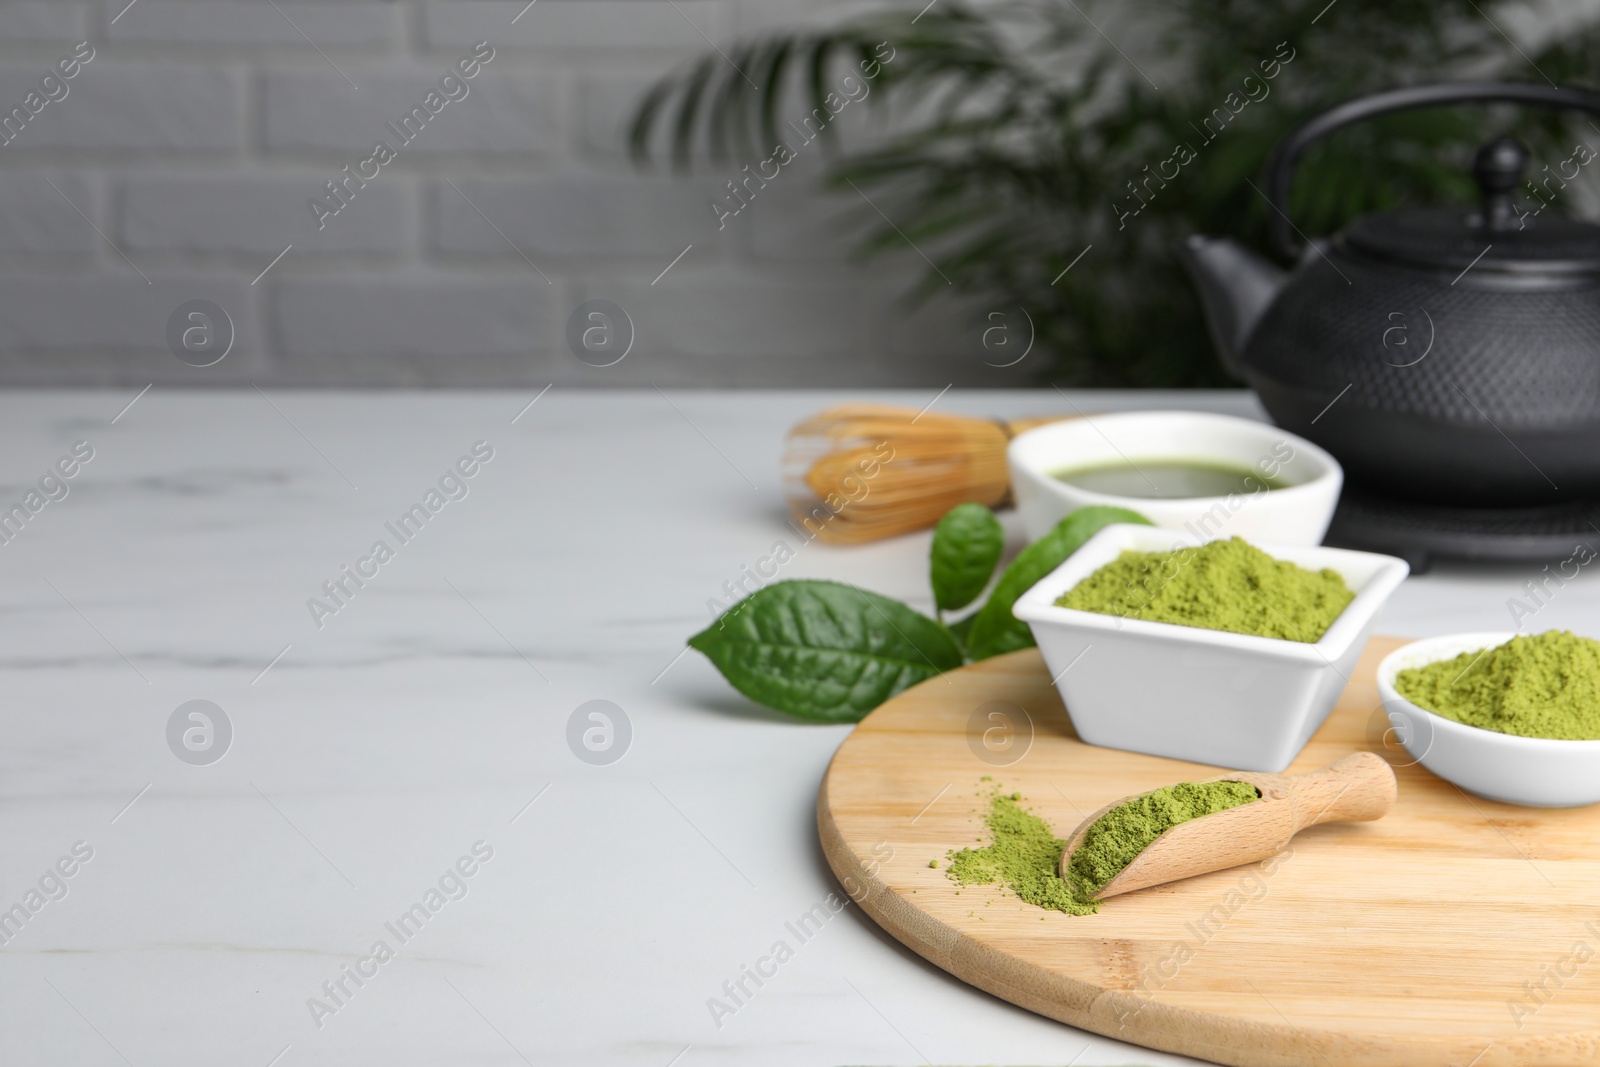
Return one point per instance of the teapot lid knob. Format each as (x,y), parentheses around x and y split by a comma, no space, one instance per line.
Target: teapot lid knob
(1498,168)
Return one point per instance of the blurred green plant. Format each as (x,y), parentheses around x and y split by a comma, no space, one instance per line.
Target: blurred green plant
(1013,131)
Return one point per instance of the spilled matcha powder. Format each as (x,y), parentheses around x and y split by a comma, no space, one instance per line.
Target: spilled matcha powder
(1546,685)
(1220,585)
(1023,857)
(1025,854)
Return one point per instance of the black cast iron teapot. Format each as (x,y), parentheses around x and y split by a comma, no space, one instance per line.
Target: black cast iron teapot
(1443,354)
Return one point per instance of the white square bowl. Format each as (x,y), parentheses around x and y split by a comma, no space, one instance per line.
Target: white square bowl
(1207,696)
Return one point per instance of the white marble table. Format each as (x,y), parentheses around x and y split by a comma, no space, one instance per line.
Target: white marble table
(424,716)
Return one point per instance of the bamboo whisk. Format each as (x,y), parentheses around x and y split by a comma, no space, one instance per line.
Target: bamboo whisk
(861,472)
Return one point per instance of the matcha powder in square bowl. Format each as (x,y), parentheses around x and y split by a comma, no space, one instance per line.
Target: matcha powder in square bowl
(1221,585)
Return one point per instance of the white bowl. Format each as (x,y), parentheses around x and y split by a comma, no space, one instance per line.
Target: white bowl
(1297,514)
(1535,772)
(1234,700)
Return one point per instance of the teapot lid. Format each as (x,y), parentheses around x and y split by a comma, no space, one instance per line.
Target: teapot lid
(1494,236)
(1455,238)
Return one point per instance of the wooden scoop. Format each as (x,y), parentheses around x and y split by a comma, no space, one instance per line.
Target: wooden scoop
(1355,789)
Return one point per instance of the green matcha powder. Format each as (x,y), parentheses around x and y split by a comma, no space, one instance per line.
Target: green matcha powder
(1220,585)
(1025,854)
(1118,836)
(1546,685)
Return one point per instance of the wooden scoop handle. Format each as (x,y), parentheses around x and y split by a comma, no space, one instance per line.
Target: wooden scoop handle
(1359,788)
(1355,789)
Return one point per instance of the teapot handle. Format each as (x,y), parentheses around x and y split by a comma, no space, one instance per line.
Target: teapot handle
(1280,168)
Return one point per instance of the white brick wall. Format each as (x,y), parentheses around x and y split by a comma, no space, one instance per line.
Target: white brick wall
(253,216)
(184,156)
(58,22)
(37,222)
(431,315)
(257,25)
(506,113)
(574,215)
(130,109)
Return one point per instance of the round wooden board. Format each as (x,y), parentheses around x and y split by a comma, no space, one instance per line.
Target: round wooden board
(1454,931)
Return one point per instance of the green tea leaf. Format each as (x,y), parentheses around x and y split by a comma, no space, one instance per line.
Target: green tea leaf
(962,627)
(824,651)
(996,630)
(966,546)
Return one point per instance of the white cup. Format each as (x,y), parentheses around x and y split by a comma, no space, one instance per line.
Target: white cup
(1297,514)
